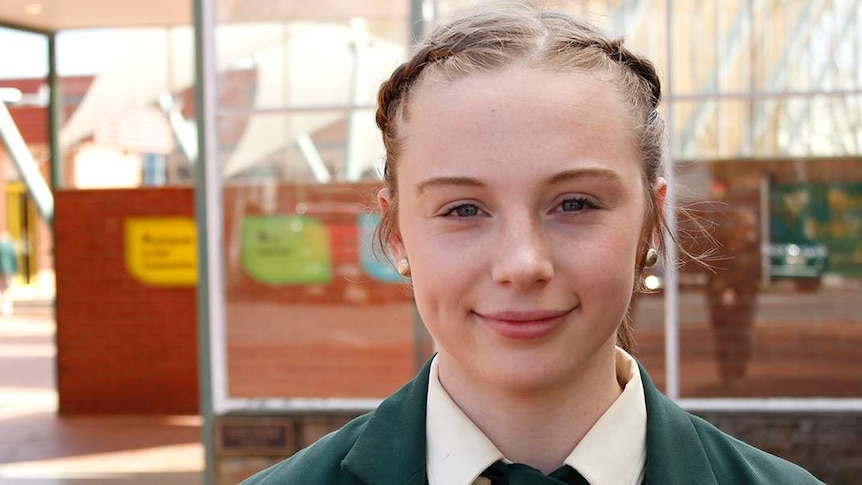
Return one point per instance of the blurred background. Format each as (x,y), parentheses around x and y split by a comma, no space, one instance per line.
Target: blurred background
(189,288)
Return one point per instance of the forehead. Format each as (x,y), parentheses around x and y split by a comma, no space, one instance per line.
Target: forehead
(518,115)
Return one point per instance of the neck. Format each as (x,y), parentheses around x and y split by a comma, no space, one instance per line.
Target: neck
(538,427)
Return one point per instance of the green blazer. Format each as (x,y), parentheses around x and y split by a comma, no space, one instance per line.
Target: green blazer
(387,447)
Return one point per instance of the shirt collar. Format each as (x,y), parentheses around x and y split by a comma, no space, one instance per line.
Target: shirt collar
(613,452)
(457,450)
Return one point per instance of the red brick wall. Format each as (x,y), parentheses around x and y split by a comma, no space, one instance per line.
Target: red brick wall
(122,347)
(350,337)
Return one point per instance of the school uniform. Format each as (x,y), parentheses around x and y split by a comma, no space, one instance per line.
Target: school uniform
(393,446)
(613,452)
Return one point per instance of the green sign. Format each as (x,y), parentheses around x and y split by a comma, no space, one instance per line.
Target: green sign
(821,213)
(286,250)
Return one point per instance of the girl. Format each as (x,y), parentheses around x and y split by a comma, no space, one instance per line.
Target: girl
(523,197)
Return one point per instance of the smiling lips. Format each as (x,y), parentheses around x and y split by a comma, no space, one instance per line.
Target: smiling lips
(524,325)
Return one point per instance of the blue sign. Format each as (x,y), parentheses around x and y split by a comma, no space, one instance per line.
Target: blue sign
(375,266)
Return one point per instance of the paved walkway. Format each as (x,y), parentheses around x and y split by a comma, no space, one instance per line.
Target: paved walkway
(39,448)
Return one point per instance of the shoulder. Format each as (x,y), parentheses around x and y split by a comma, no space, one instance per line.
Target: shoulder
(684,448)
(316,464)
(385,445)
(734,461)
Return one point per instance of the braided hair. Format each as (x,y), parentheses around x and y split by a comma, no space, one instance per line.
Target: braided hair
(499,34)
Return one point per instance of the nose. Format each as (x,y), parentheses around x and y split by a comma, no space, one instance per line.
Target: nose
(521,258)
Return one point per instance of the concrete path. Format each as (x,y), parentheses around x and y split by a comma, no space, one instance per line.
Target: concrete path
(37,447)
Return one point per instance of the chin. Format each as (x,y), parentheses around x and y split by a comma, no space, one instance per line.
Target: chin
(550,370)
(525,377)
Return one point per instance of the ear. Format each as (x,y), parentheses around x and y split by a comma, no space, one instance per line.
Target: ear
(660,197)
(660,192)
(393,242)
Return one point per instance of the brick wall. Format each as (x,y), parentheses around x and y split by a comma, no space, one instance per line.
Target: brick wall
(122,347)
(826,444)
(126,347)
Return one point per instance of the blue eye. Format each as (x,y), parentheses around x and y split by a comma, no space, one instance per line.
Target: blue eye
(463,210)
(577,204)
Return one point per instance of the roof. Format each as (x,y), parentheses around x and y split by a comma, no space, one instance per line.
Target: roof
(84,14)
(55,15)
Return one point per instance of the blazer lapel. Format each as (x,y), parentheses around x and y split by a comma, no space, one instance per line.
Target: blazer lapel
(675,454)
(391,448)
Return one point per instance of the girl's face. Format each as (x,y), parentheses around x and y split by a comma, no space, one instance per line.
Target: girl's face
(521,209)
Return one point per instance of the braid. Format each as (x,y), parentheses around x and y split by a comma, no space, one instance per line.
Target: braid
(575,38)
(392,93)
(389,99)
(392,89)
(640,66)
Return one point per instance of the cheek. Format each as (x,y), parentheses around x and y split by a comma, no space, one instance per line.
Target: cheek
(443,274)
(615,264)
(609,265)
(607,290)
(439,267)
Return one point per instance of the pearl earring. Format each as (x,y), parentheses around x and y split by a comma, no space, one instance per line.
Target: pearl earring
(403,267)
(651,258)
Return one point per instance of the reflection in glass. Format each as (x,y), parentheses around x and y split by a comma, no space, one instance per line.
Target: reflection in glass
(313,310)
(777,312)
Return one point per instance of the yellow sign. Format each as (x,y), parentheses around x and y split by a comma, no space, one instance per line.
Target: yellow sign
(162,251)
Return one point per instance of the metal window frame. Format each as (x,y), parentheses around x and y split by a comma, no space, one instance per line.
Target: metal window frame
(212,317)
(671,303)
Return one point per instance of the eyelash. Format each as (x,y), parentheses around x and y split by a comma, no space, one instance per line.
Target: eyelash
(451,212)
(583,202)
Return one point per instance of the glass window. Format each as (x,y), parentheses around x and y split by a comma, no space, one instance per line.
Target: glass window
(127,106)
(776,313)
(764,103)
(312,311)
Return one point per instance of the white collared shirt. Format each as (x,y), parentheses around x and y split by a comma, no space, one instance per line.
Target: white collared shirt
(613,452)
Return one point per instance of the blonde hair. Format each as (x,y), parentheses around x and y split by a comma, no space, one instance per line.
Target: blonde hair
(494,35)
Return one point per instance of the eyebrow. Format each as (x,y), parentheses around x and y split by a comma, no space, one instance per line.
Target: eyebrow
(564,176)
(585,173)
(424,185)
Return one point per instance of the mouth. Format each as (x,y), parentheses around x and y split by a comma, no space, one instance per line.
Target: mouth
(524,325)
